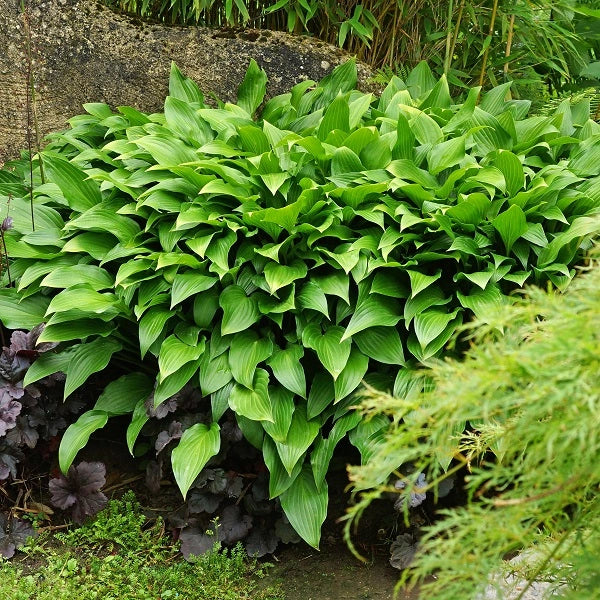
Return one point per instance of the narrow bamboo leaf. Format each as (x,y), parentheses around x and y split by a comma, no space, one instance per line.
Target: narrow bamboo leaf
(189,284)
(301,435)
(88,358)
(239,310)
(77,435)
(353,373)
(305,506)
(198,444)
(251,91)
(255,403)
(246,352)
(382,344)
(174,354)
(511,225)
(122,395)
(333,352)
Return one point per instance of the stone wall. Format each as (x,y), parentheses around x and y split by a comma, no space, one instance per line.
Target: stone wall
(82,52)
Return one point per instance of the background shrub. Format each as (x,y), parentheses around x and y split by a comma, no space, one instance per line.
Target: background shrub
(524,420)
(276,262)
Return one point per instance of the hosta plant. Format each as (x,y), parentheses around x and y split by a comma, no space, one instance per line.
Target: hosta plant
(275,255)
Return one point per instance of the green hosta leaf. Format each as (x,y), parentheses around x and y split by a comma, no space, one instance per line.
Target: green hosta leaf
(17,313)
(512,169)
(255,403)
(182,119)
(312,296)
(333,352)
(75,330)
(279,479)
(353,373)
(169,152)
(323,451)
(430,324)
(382,344)
(121,396)
(183,87)
(335,284)
(47,364)
(420,281)
(445,155)
(239,310)
(305,506)
(367,436)
(152,324)
(345,161)
(88,358)
(174,354)
(282,402)
(581,227)
(80,192)
(511,225)
(138,420)
(375,311)
(219,401)
(251,91)
(485,304)
(77,435)
(170,385)
(301,435)
(214,374)
(252,430)
(197,446)
(189,284)
(337,116)
(288,370)
(322,395)
(68,276)
(278,276)
(247,350)
(85,299)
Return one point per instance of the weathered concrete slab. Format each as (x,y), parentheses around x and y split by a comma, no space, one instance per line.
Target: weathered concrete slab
(82,52)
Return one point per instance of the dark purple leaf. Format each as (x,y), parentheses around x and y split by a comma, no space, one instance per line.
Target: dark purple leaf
(23,434)
(285,532)
(261,542)
(9,457)
(14,533)
(195,542)
(173,432)
(80,490)
(7,223)
(162,410)
(9,411)
(235,486)
(233,526)
(403,551)
(231,432)
(200,502)
(415,498)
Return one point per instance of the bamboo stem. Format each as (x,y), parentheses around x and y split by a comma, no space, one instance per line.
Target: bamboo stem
(487,50)
(509,40)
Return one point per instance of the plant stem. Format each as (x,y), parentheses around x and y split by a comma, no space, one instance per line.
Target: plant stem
(487,50)
(448,58)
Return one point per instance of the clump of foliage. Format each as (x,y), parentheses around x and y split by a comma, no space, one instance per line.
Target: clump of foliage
(121,555)
(27,412)
(14,534)
(275,262)
(520,412)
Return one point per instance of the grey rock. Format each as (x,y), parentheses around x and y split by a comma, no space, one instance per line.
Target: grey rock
(82,52)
